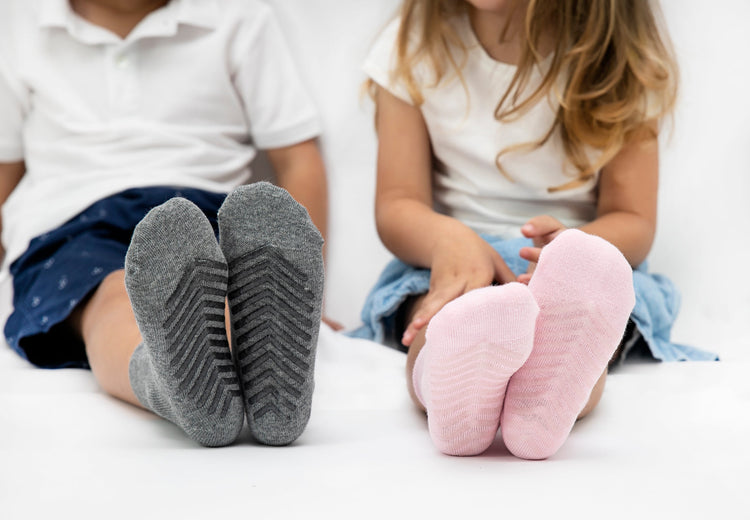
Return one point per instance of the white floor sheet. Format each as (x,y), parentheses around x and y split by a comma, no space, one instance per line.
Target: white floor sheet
(667,441)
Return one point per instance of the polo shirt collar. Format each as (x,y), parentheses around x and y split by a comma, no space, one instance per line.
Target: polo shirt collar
(54,13)
(198,13)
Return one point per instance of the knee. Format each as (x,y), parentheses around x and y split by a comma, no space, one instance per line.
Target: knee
(112,285)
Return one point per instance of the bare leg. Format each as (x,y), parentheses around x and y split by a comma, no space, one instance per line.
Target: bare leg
(108,328)
(414,349)
(595,397)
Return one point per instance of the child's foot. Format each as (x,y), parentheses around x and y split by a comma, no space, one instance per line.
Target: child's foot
(474,345)
(176,278)
(275,291)
(584,288)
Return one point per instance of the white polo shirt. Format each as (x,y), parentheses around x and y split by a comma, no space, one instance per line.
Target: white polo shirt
(184,100)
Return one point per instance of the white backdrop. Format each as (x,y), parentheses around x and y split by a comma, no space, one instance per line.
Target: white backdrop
(704,200)
(705,169)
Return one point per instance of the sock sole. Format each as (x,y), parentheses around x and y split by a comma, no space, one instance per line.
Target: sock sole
(467,371)
(584,289)
(275,293)
(183,371)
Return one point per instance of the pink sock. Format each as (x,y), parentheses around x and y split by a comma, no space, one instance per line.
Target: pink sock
(584,288)
(474,344)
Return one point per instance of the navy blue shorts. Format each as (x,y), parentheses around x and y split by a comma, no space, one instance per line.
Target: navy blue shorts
(61,268)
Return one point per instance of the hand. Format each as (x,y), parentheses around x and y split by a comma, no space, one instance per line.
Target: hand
(461,261)
(335,325)
(542,230)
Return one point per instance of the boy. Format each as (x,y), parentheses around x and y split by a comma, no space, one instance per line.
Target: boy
(113,107)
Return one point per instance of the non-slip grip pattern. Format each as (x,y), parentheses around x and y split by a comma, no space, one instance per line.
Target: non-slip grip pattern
(272,321)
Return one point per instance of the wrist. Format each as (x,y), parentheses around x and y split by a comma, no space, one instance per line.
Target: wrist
(448,233)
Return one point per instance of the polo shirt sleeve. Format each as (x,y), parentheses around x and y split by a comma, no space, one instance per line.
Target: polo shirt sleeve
(278,109)
(14,102)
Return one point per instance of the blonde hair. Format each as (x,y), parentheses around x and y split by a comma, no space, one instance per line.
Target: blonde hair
(618,69)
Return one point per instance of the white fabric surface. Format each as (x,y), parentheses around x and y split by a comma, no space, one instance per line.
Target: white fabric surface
(667,441)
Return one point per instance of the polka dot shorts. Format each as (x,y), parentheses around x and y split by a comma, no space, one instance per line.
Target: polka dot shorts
(61,268)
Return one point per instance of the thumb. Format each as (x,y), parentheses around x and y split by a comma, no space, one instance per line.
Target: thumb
(540,226)
(503,274)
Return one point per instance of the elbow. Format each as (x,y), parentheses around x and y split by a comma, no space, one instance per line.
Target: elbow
(644,234)
(382,222)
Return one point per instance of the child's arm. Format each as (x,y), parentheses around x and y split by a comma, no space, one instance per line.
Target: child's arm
(628,188)
(10,176)
(460,260)
(299,170)
(626,209)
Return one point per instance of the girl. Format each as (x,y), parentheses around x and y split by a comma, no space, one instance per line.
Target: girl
(502,118)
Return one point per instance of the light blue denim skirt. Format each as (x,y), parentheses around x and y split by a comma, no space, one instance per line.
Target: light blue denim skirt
(656,307)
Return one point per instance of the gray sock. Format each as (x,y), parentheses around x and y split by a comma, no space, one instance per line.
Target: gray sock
(176,277)
(276,275)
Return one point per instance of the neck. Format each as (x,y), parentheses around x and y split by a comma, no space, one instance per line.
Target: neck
(500,32)
(118,16)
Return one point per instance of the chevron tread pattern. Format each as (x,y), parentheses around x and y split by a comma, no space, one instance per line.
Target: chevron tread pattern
(197,350)
(272,325)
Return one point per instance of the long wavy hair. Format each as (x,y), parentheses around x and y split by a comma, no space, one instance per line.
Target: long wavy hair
(616,64)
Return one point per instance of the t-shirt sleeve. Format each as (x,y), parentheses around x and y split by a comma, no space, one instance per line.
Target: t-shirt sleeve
(14,100)
(381,62)
(278,108)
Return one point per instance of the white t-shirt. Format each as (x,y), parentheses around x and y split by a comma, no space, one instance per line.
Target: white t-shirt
(466,139)
(184,100)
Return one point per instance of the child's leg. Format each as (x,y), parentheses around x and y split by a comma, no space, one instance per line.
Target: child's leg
(108,329)
(473,346)
(414,349)
(584,289)
(594,397)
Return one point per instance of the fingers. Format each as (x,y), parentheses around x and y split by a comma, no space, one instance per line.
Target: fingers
(542,230)
(335,325)
(542,227)
(432,303)
(436,299)
(503,274)
(530,253)
(412,330)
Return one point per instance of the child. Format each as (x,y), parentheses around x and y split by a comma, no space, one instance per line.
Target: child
(124,126)
(502,118)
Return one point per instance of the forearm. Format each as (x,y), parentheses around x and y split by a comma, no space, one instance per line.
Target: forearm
(300,171)
(411,230)
(309,188)
(10,176)
(632,234)
(627,205)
